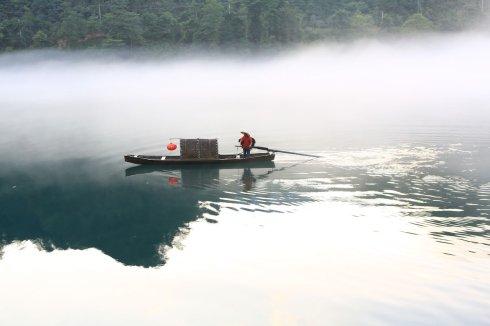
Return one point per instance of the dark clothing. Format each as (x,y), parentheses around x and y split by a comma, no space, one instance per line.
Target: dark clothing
(246,152)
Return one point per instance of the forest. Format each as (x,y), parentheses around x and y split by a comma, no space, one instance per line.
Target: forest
(78,24)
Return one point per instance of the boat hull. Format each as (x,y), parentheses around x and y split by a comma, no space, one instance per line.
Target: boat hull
(177,160)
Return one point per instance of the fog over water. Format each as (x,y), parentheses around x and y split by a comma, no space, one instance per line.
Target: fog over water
(323,90)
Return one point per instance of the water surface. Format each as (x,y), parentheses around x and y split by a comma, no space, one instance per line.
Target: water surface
(390,226)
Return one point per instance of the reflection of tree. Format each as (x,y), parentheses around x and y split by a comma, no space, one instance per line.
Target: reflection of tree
(130,219)
(126,220)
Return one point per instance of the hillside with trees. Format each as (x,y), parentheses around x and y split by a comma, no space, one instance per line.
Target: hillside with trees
(76,24)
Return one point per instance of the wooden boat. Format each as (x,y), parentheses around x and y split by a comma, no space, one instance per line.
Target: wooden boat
(178,160)
(199,151)
(199,168)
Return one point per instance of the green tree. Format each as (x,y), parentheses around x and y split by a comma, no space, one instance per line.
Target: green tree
(234,25)
(417,23)
(159,27)
(453,15)
(72,29)
(47,11)
(40,39)
(340,21)
(123,26)
(210,22)
(3,38)
(190,22)
(288,23)
(111,43)
(28,25)
(94,23)
(363,25)
(256,24)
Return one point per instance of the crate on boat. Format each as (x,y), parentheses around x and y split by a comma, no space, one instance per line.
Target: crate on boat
(199,148)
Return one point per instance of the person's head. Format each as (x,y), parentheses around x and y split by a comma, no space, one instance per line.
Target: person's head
(245,133)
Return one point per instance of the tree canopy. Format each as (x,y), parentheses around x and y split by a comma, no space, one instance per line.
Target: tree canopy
(135,23)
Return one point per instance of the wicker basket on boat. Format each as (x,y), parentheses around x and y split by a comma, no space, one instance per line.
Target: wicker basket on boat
(199,148)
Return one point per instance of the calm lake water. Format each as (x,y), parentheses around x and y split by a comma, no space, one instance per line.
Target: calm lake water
(391,226)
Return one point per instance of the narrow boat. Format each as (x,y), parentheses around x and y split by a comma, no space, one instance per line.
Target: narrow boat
(200,168)
(198,151)
(179,160)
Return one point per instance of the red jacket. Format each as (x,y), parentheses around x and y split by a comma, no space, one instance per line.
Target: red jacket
(246,141)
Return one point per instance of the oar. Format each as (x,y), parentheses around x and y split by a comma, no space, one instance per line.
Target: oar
(286,152)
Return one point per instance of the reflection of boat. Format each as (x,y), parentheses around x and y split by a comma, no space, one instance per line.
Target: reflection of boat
(178,160)
(144,169)
(198,151)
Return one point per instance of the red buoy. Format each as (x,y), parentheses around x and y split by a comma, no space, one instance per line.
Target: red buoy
(171,147)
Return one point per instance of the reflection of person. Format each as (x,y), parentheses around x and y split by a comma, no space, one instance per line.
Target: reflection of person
(248,179)
(247,142)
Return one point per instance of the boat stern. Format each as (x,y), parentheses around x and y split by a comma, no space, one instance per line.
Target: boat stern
(130,158)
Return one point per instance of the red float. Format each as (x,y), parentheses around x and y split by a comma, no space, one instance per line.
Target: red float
(171,147)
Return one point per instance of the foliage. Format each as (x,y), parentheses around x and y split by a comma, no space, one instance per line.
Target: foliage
(363,25)
(40,39)
(123,26)
(417,23)
(210,21)
(115,23)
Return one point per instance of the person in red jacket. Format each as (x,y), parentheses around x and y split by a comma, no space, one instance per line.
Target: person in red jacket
(247,142)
